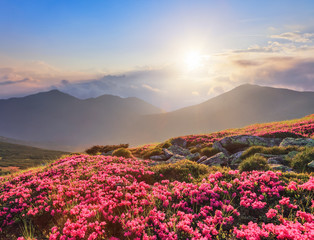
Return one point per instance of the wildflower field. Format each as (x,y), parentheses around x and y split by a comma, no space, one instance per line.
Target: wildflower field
(106,197)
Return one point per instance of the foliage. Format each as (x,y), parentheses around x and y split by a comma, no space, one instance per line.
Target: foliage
(194,150)
(94,150)
(282,134)
(209,151)
(166,144)
(300,161)
(183,171)
(105,197)
(122,152)
(254,162)
(269,150)
(152,152)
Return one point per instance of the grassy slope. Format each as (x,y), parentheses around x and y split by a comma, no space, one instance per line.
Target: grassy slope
(79,180)
(20,156)
(303,126)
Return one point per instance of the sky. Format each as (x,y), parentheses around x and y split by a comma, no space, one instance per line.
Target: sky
(169,53)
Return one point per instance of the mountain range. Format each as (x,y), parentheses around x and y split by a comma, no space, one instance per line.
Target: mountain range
(56,120)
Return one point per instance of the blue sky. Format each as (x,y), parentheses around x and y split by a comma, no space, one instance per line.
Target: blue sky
(150,47)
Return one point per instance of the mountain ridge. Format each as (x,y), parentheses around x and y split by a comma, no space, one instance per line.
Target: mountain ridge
(61,119)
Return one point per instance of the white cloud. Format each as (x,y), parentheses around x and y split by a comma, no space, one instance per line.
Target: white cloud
(295,37)
(150,88)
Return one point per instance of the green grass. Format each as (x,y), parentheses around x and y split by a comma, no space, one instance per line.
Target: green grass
(22,157)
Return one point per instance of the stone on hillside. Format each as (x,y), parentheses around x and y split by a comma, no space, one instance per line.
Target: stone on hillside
(202,159)
(292,154)
(175,158)
(193,156)
(107,153)
(234,159)
(311,164)
(280,167)
(218,146)
(158,157)
(167,153)
(306,142)
(175,149)
(239,142)
(274,159)
(179,142)
(220,159)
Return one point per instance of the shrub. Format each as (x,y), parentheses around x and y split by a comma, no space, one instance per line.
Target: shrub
(268,150)
(209,151)
(94,150)
(122,152)
(103,149)
(164,145)
(152,152)
(300,161)
(181,171)
(255,162)
(194,150)
(282,135)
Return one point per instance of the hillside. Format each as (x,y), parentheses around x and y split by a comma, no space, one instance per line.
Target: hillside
(56,120)
(244,105)
(114,197)
(14,157)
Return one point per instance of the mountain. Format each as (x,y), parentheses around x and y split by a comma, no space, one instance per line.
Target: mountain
(246,104)
(56,120)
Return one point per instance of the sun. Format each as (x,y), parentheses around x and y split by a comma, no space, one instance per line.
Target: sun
(193,60)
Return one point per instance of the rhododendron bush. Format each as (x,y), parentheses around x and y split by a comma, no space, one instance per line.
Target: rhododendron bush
(98,197)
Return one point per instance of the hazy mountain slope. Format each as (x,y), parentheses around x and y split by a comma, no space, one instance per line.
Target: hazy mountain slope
(55,117)
(246,104)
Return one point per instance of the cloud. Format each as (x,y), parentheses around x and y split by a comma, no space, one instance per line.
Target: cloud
(14,82)
(295,37)
(150,88)
(275,63)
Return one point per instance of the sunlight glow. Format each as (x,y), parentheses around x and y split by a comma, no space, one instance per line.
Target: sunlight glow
(193,60)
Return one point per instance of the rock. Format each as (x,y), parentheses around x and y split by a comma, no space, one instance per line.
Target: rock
(107,153)
(193,156)
(280,167)
(239,142)
(158,157)
(155,163)
(219,159)
(274,159)
(311,164)
(175,158)
(219,147)
(179,142)
(198,146)
(291,154)
(175,149)
(202,159)
(306,142)
(235,159)
(167,153)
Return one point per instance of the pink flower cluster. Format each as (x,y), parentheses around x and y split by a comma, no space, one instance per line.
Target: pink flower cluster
(98,197)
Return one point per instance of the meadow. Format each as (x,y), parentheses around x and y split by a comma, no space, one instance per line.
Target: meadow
(111,197)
